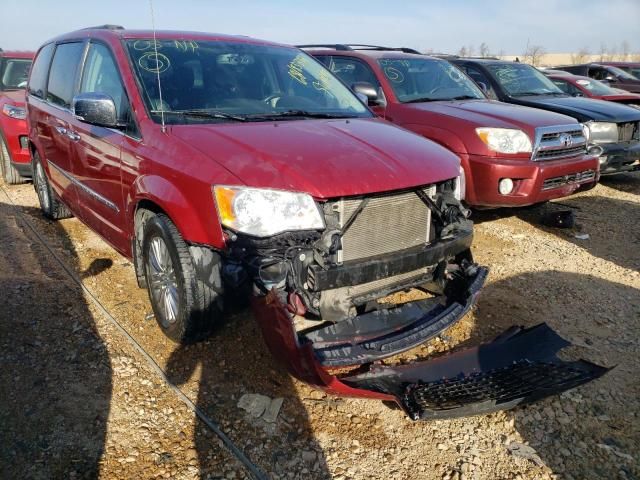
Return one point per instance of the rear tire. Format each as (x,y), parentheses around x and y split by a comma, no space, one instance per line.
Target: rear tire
(9,173)
(50,204)
(186,309)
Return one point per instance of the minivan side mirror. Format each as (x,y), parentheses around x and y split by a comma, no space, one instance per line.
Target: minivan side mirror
(96,109)
(367,90)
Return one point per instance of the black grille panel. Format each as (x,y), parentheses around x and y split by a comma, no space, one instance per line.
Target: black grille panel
(502,385)
(560,152)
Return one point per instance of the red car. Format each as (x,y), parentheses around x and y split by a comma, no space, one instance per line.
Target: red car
(15,160)
(511,155)
(222,164)
(580,86)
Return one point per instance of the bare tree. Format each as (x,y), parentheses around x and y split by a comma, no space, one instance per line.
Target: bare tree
(581,56)
(534,54)
(463,52)
(484,50)
(471,50)
(625,50)
(605,53)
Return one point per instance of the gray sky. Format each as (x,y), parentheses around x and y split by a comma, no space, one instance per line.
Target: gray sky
(444,26)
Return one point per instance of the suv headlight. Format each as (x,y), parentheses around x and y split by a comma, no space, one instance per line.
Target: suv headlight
(265,212)
(505,140)
(14,112)
(602,132)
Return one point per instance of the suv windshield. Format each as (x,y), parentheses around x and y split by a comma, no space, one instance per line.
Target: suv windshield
(424,80)
(596,87)
(14,73)
(618,72)
(211,81)
(519,79)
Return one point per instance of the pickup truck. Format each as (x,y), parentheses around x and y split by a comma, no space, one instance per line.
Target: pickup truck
(511,156)
(612,127)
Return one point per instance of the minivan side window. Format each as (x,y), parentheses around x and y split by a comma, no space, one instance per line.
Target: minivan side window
(39,71)
(64,70)
(352,70)
(101,75)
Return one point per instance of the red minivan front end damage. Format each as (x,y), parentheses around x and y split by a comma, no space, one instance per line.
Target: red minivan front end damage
(331,317)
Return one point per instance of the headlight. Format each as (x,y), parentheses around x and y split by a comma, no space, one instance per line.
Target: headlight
(505,140)
(263,212)
(602,132)
(14,112)
(585,131)
(460,185)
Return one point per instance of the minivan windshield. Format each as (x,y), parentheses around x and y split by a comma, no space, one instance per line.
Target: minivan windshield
(416,80)
(190,81)
(519,79)
(14,73)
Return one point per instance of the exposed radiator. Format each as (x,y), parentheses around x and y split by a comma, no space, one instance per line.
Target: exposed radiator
(388,223)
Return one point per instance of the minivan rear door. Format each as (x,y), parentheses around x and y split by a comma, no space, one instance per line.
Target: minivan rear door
(53,118)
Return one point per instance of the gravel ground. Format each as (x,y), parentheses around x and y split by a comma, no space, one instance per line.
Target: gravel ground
(79,399)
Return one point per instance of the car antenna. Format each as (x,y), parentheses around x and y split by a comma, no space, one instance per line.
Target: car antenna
(155,50)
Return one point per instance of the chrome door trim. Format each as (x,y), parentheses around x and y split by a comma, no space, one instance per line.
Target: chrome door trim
(92,193)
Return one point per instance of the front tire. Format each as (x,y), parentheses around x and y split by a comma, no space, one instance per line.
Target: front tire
(9,173)
(186,309)
(50,204)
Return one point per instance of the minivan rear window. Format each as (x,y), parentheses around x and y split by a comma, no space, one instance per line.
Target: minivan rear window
(39,71)
(64,69)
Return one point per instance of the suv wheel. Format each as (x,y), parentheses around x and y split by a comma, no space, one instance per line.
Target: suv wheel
(50,203)
(9,173)
(185,308)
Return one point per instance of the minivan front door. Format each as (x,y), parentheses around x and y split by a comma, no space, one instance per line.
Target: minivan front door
(98,152)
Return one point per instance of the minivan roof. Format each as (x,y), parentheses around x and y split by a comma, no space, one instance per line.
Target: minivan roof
(114,31)
(16,54)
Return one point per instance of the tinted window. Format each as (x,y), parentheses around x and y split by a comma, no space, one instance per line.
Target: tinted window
(101,75)
(598,73)
(566,87)
(352,70)
(64,70)
(14,73)
(481,79)
(233,78)
(38,77)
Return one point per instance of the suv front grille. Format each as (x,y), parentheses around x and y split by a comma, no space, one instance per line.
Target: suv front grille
(560,141)
(388,223)
(628,131)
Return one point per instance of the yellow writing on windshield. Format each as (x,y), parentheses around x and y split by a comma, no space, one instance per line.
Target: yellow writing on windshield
(186,45)
(322,83)
(296,69)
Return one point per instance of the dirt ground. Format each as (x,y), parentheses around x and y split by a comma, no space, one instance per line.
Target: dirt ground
(79,401)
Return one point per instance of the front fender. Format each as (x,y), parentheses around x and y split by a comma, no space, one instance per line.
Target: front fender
(195,216)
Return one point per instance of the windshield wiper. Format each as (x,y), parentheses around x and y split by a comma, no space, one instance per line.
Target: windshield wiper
(202,114)
(424,99)
(297,113)
(465,97)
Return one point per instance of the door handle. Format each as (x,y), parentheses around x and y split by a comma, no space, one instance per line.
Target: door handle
(73,136)
(61,130)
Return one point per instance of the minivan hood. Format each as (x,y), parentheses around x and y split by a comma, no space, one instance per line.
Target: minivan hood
(584,109)
(489,113)
(325,158)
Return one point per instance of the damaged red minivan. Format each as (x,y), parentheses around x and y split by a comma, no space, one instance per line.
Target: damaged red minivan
(218,163)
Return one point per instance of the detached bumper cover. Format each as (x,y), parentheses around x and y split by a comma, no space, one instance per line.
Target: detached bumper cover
(379,334)
(517,368)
